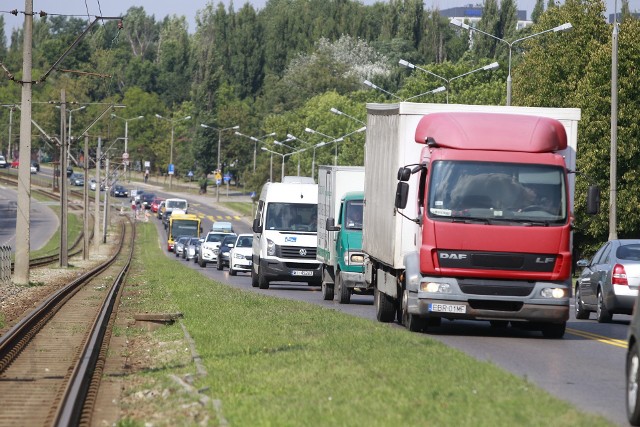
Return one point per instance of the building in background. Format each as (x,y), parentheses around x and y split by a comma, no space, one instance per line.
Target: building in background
(471,14)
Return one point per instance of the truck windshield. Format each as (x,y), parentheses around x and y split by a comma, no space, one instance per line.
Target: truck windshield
(500,192)
(292,217)
(185,227)
(353,215)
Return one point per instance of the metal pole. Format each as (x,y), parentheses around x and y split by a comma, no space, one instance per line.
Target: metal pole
(106,205)
(335,159)
(509,78)
(96,217)
(255,152)
(9,154)
(64,196)
(85,241)
(282,174)
(126,147)
(219,168)
(271,168)
(171,160)
(613,190)
(23,214)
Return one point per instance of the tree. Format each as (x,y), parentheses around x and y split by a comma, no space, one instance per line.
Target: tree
(484,46)
(538,10)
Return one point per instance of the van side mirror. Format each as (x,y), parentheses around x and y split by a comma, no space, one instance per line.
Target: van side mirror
(257,228)
(330,225)
(402,195)
(593,200)
(404,174)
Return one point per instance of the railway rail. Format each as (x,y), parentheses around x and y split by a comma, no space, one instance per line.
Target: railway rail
(51,361)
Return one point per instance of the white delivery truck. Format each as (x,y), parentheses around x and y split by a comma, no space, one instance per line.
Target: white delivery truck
(456,220)
(285,233)
(340,210)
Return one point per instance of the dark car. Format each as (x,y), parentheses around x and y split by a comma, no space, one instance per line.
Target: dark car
(609,282)
(35,165)
(633,369)
(76,179)
(119,191)
(165,219)
(223,250)
(69,171)
(147,199)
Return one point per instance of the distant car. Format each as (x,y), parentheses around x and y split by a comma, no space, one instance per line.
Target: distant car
(609,282)
(35,165)
(240,258)
(155,204)
(633,370)
(165,219)
(69,171)
(179,246)
(119,191)
(223,250)
(92,184)
(3,162)
(146,199)
(138,197)
(76,179)
(15,164)
(209,247)
(160,209)
(192,249)
(33,169)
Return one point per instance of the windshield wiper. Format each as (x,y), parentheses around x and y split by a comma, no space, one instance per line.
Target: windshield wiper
(525,221)
(468,220)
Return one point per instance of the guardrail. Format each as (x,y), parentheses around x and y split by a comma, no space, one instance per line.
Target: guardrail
(5,265)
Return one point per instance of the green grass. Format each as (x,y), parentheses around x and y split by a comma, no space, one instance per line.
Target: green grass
(74,228)
(242,208)
(275,362)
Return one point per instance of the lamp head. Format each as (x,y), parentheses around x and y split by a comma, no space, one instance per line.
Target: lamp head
(236,127)
(460,24)
(203,125)
(159,116)
(291,137)
(187,118)
(439,89)
(564,27)
(335,111)
(368,83)
(406,64)
(491,66)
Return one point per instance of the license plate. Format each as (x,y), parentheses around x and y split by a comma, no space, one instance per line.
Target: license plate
(447,308)
(301,273)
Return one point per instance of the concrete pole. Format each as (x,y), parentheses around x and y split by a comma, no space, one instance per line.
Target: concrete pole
(126,147)
(613,165)
(85,203)
(9,153)
(106,205)
(23,215)
(96,217)
(171,160)
(64,196)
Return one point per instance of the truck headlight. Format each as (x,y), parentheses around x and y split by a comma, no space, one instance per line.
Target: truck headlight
(353,258)
(552,293)
(271,248)
(434,287)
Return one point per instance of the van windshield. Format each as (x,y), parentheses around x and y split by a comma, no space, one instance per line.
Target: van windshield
(176,204)
(292,217)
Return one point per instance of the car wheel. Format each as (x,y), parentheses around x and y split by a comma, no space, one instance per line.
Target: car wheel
(602,313)
(410,321)
(327,291)
(633,394)
(219,265)
(344,293)
(385,306)
(254,278)
(581,312)
(232,272)
(202,263)
(554,330)
(263,283)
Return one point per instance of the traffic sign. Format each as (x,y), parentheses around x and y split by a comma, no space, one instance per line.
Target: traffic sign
(125,156)
(218,176)
(171,169)
(227,178)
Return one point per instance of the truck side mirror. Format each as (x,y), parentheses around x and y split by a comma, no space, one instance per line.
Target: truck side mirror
(402,195)
(330,225)
(593,200)
(404,174)
(257,228)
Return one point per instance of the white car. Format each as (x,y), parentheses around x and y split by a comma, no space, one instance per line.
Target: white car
(240,255)
(33,169)
(209,247)
(3,162)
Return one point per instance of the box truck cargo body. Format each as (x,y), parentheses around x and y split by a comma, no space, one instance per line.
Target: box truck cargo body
(340,210)
(467,234)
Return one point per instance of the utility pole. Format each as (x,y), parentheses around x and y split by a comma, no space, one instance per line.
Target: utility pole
(23,216)
(64,196)
(106,203)
(613,161)
(85,202)
(96,217)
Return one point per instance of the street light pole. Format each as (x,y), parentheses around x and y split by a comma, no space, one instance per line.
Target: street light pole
(125,161)
(171,168)
(560,28)
(371,85)
(335,158)
(613,158)
(220,130)
(340,113)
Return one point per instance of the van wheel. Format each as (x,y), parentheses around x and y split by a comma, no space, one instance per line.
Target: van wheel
(263,283)
(254,278)
(327,291)
(410,321)
(581,312)
(344,293)
(385,306)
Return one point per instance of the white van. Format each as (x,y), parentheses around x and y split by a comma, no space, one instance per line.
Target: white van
(285,234)
(171,204)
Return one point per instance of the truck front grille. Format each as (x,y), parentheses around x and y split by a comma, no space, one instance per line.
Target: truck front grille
(520,290)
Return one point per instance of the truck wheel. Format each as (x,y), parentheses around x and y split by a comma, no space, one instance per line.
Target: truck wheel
(554,330)
(602,314)
(385,307)
(633,392)
(411,322)
(344,293)
(327,291)
(254,278)
(581,312)
(263,283)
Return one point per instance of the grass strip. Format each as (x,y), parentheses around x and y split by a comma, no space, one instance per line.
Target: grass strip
(276,362)
(74,228)
(243,208)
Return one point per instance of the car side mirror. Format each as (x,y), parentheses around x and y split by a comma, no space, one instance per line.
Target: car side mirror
(582,263)
(257,228)
(330,225)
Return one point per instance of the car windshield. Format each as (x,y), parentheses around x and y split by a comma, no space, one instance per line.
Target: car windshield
(245,242)
(230,239)
(504,193)
(292,217)
(215,237)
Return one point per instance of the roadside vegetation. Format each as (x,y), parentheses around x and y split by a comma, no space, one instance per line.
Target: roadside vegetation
(271,361)
(74,229)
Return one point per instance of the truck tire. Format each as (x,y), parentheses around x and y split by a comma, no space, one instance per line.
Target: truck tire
(410,321)
(554,330)
(581,312)
(385,306)
(327,291)
(254,278)
(344,293)
(602,313)
(263,283)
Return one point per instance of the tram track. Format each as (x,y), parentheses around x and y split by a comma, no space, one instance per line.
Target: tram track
(51,361)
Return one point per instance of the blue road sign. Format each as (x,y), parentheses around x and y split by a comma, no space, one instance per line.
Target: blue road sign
(227,178)
(171,170)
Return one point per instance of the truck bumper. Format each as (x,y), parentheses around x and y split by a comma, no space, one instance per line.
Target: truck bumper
(353,279)
(275,269)
(456,304)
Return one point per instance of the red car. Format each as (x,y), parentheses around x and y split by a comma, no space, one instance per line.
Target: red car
(155,204)
(15,164)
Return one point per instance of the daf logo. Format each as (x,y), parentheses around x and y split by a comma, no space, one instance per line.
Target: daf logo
(541,260)
(303,252)
(453,256)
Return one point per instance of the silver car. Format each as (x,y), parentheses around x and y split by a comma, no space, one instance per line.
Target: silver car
(609,282)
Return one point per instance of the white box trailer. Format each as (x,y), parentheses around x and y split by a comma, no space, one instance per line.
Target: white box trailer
(390,145)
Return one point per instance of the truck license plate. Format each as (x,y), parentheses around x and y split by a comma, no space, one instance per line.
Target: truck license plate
(447,308)
(301,273)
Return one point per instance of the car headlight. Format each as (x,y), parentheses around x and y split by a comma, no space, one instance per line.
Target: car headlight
(238,256)
(271,247)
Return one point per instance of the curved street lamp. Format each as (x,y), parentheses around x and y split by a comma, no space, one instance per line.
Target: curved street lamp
(560,28)
(340,113)
(173,122)
(126,138)
(284,156)
(255,143)
(371,85)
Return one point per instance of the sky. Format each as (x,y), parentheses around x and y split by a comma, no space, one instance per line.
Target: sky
(189,8)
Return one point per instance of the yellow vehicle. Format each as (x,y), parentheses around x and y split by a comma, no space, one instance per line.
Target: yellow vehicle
(182,225)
